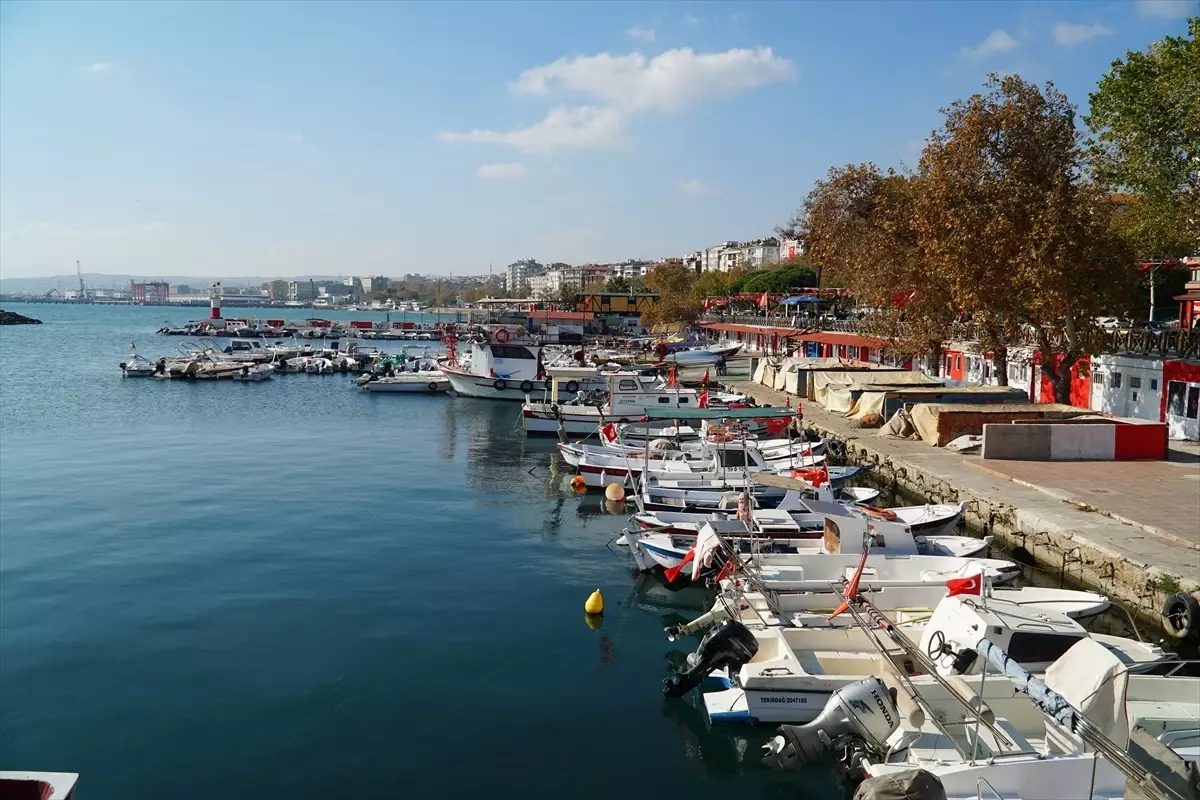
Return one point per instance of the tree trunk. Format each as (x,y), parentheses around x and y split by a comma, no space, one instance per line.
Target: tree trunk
(1000,365)
(933,358)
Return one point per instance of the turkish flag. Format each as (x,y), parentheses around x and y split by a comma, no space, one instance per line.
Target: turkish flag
(972,585)
(673,572)
(777,425)
(851,593)
(764,301)
(610,432)
(703,400)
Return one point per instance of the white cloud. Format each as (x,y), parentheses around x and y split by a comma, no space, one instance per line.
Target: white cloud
(998,41)
(669,82)
(582,128)
(692,19)
(1167,9)
(97,68)
(641,32)
(500,172)
(697,188)
(1069,33)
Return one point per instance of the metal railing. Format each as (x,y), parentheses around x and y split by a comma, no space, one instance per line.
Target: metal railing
(1167,342)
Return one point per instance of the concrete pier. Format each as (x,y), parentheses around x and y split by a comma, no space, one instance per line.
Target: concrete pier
(1128,529)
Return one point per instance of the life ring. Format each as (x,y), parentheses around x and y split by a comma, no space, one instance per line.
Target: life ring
(1181,617)
(501,335)
(572,386)
(526,386)
(433,386)
(500,385)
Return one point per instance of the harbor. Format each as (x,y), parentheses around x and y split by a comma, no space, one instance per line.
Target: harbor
(444,487)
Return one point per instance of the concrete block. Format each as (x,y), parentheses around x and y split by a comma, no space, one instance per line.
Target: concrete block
(1082,442)
(1016,442)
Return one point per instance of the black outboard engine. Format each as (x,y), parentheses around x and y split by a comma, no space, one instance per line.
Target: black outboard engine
(729,644)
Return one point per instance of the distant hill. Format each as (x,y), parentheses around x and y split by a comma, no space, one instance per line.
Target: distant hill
(95,280)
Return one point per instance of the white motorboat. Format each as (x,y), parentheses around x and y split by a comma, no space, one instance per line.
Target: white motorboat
(628,395)
(709,495)
(411,372)
(41,785)
(792,672)
(905,604)
(254,373)
(137,366)
(413,382)
(600,466)
(785,555)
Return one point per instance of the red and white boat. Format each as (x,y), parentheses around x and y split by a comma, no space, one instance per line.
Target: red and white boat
(498,362)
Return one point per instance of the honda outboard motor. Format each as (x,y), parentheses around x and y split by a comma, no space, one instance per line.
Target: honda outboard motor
(857,719)
(729,644)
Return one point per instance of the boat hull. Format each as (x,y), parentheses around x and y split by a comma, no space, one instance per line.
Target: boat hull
(481,387)
(416,385)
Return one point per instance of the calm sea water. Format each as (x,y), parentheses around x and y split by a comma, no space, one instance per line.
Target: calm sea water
(296,589)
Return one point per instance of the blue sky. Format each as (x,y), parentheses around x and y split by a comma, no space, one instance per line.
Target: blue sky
(284,138)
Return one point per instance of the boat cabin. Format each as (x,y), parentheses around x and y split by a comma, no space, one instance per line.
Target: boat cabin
(634,392)
(1034,637)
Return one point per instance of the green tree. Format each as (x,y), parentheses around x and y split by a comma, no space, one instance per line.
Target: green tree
(675,304)
(617,284)
(858,222)
(1011,230)
(566,295)
(1145,123)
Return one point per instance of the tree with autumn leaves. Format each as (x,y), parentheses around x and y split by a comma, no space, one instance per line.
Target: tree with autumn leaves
(1000,228)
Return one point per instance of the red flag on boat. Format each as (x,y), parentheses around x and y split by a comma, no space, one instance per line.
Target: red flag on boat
(851,587)
(610,432)
(972,585)
(704,399)
(777,425)
(673,572)
(788,403)
(704,380)
(764,301)
(672,376)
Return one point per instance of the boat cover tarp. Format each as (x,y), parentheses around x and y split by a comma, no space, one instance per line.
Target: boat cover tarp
(909,784)
(863,380)
(760,371)
(868,406)
(923,420)
(1094,681)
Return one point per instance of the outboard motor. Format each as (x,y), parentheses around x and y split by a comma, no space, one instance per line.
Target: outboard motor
(729,644)
(857,720)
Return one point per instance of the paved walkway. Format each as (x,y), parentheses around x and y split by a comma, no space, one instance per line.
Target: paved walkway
(1162,497)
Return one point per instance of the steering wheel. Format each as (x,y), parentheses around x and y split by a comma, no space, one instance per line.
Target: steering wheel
(937,646)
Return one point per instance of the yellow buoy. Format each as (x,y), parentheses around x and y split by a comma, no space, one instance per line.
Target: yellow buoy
(595,603)
(615,492)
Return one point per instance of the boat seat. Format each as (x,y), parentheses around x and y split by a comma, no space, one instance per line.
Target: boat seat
(988,746)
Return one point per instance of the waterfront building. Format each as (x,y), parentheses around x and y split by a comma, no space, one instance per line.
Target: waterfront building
(151,292)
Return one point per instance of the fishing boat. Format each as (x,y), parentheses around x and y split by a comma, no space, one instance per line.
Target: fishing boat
(136,366)
(800,520)
(628,394)
(720,494)
(718,463)
(496,362)
(982,724)
(254,373)
(904,603)
(19,784)
(791,673)
(419,377)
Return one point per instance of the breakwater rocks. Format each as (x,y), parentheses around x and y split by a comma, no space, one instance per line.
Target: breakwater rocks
(11,318)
